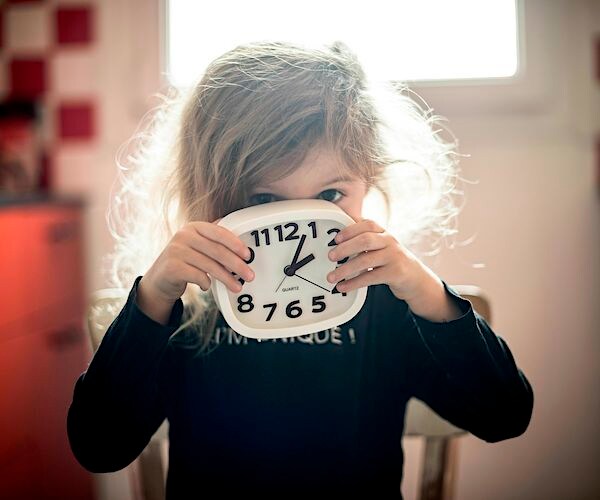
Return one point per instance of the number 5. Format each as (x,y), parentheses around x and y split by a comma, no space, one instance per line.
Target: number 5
(318,301)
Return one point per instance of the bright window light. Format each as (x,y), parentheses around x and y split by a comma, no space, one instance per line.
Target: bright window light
(408,40)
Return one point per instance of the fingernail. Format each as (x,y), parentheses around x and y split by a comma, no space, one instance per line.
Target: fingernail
(339,238)
(332,255)
(330,277)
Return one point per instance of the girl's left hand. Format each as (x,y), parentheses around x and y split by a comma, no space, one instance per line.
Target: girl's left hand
(384,260)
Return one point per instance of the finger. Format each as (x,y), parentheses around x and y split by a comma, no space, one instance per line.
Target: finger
(374,277)
(222,235)
(359,263)
(362,242)
(221,254)
(357,228)
(213,269)
(199,277)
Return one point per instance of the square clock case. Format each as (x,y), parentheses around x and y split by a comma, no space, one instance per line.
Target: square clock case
(289,242)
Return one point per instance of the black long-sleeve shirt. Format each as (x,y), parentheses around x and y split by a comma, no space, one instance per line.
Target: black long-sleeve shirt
(313,414)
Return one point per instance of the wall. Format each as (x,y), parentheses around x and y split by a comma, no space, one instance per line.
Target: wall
(535,215)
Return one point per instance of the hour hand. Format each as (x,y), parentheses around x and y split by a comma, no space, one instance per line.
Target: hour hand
(292,268)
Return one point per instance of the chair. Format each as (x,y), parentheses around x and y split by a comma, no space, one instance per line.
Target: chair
(148,471)
(438,473)
(147,474)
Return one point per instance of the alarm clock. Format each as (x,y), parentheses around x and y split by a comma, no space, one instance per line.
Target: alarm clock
(289,242)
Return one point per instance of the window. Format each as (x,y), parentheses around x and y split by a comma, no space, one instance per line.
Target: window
(414,41)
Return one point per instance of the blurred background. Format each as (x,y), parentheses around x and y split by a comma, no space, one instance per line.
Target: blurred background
(518,81)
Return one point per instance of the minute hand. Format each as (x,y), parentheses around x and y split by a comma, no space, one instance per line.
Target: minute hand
(298,250)
(294,267)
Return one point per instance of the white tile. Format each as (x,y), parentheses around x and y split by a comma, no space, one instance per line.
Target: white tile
(74,74)
(73,168)
(27,28)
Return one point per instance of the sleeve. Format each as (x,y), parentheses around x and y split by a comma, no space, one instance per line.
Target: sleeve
(117,404)
(467,374)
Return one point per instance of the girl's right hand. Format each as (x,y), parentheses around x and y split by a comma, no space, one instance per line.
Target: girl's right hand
(197,249)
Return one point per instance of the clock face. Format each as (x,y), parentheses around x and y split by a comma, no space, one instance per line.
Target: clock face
(290,294)
(275,299)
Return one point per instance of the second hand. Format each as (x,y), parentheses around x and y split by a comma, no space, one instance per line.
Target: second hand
(284,277)
(312,283)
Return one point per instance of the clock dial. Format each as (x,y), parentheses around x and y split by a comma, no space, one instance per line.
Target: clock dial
(290,261)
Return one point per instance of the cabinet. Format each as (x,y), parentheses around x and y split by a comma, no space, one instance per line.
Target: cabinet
(43,347)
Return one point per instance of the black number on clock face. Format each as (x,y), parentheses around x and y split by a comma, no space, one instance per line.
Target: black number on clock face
(251,256)
(279,229)
(335,230)
(292,310)
(332,243)
(264,231)
(292,235)
(273,307)
(248,261)
(335,290)
(319,302)
(245,303)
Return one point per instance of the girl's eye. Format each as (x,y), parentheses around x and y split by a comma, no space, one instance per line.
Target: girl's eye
(331,196)
(260,198)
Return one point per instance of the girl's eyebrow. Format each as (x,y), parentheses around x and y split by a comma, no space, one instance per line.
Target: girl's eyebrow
(340,178)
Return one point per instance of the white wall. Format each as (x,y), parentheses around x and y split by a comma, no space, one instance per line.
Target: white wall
(535,212)
(128,69)
(536,216)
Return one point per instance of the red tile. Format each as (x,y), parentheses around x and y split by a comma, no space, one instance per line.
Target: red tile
(76,120)
(27,77)
(74,25)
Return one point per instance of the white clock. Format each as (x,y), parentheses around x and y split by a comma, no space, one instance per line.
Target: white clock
(289,242)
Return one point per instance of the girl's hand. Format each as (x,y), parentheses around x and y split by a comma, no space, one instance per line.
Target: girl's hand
(198,248)
(385,261)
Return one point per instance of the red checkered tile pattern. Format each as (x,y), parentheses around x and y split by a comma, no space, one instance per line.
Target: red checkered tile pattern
(46,54)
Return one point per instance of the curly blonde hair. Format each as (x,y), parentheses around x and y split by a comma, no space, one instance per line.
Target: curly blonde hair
(257,107)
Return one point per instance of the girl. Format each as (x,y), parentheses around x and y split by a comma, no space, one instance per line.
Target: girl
(324,412)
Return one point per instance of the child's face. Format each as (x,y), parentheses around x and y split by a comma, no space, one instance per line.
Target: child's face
(312,179)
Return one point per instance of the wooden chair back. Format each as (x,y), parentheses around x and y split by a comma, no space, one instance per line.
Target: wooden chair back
(147,473)
(438,471)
